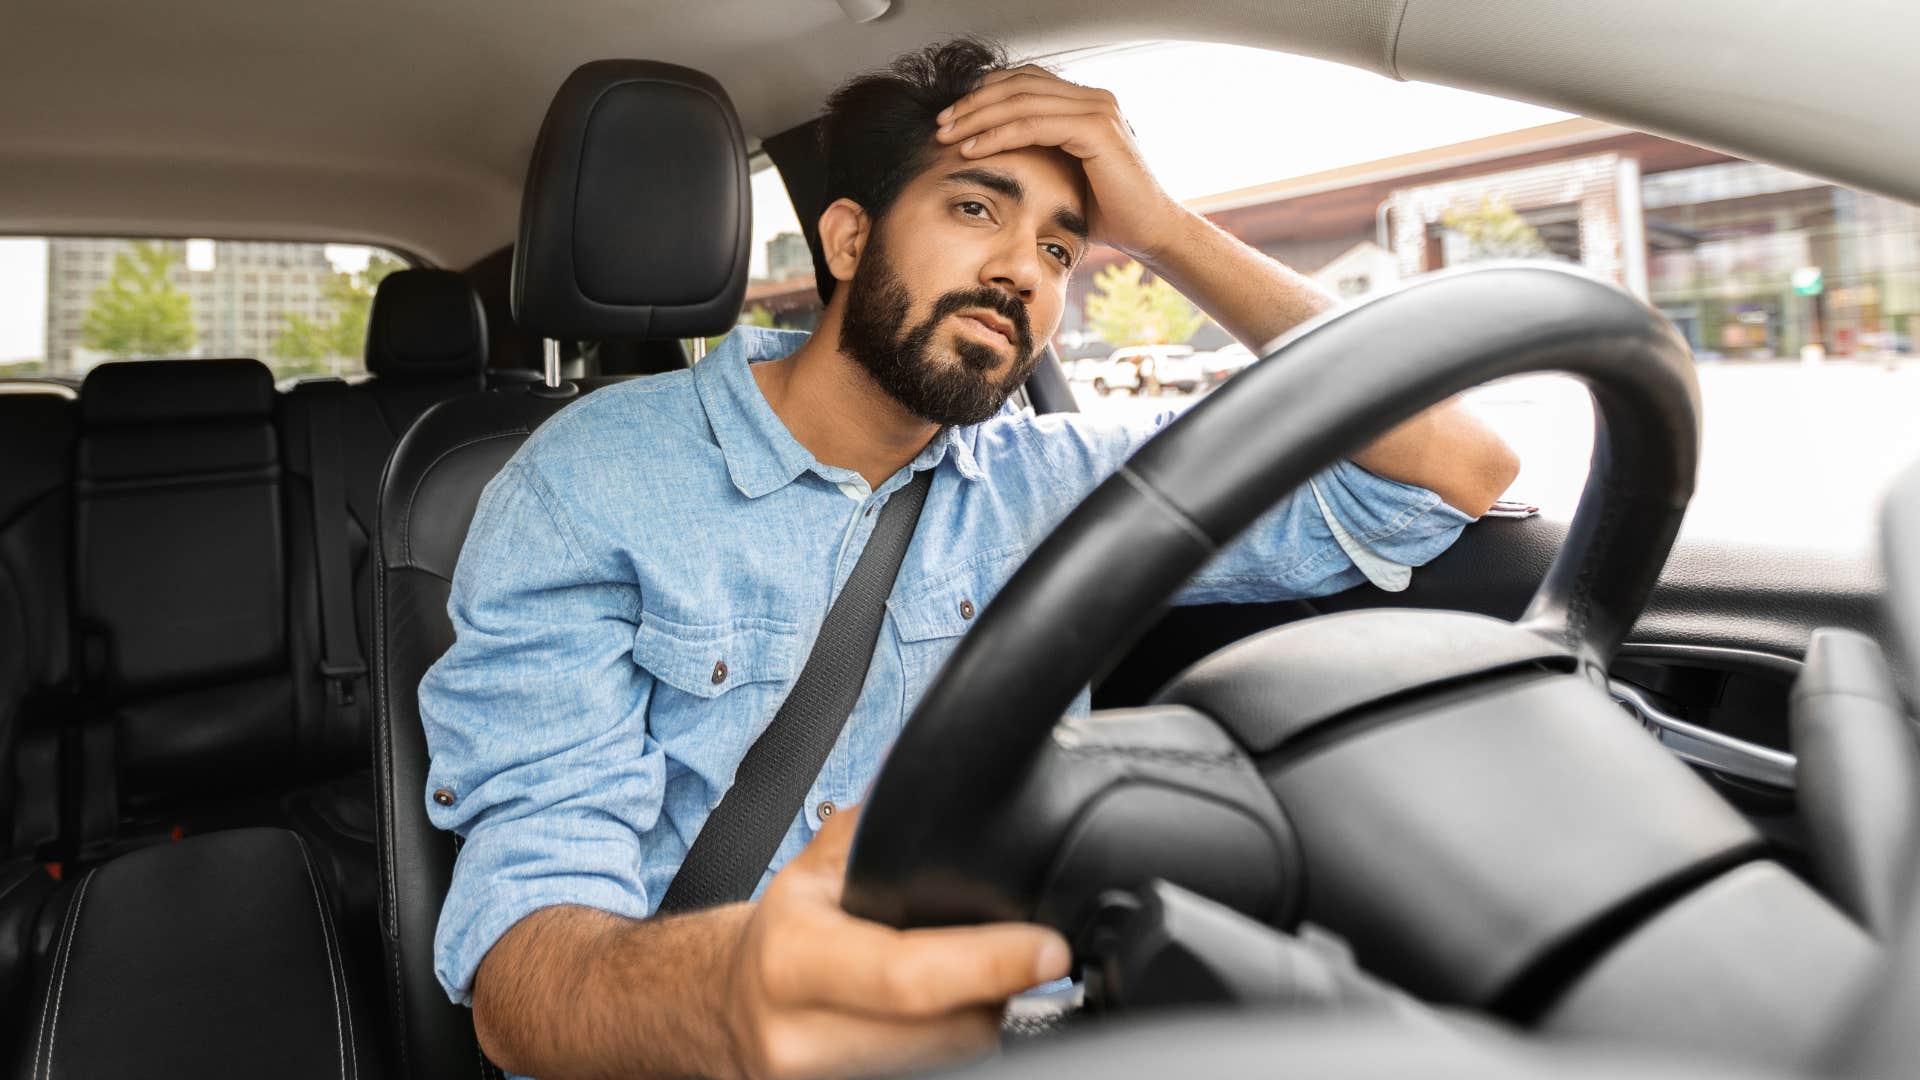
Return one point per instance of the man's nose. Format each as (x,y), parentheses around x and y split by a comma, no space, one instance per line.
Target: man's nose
(1015,268)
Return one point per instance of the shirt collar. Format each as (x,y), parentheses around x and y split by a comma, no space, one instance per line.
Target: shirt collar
(762,456)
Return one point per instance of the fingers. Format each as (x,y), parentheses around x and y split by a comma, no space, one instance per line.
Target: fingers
(862,967)
(1014,109)
(832,1044)
(1021,80)
(1084,135)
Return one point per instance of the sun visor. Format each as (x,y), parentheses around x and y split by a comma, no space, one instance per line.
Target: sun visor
(636,215)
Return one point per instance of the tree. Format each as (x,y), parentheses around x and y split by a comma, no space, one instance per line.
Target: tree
(1126,310)
(140,311)
(307,345)
(1495,231)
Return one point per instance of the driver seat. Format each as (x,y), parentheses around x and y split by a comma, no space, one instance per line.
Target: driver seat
(634,225)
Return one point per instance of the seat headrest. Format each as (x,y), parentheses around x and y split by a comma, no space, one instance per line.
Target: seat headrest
(176,392)
(636,215)
(426,322)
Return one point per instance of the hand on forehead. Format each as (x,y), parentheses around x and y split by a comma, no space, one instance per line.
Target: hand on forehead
(1030,107)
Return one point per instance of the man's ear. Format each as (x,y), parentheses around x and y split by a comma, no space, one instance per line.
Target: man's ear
(844,229)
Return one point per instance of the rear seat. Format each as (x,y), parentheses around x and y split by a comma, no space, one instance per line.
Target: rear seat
(180,587)
(37,430)
(183,692)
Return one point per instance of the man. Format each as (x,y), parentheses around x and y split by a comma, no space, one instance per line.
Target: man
(642,583)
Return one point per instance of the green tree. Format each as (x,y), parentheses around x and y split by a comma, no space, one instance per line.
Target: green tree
(1495,230)
(308,347)
(1124,309)
(140,311)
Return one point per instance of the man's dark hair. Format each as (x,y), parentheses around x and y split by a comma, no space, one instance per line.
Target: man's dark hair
(877,131)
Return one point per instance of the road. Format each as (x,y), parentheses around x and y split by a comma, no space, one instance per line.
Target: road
(1793,456)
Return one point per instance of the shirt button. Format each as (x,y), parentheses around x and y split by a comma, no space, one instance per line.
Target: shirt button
(443,796)
(720,671)
(825,809)
(966,609)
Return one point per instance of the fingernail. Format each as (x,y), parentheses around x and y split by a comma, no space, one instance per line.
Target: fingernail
(945,115)
(1054,960)
(968,145)
(946,128)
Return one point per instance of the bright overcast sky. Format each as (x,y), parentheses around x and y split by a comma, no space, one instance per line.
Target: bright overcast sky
(1211,118)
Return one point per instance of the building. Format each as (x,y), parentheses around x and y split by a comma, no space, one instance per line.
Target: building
(242,293)
(788,257)
(1748,260)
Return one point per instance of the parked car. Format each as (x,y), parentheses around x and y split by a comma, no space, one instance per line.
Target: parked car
(1222,364)
(1142,369)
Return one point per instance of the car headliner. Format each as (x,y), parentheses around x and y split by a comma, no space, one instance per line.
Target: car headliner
(409,123)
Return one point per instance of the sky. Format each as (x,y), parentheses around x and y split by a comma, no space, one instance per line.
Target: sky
(1210,118)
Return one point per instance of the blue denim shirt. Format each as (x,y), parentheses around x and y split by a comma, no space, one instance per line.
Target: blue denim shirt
(643,580)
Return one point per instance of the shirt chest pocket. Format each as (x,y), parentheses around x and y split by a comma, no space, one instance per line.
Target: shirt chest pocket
(930,615)
(739,666)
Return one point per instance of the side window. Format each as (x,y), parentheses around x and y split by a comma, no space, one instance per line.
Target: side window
(1800,299)
(68,303)
(780,285)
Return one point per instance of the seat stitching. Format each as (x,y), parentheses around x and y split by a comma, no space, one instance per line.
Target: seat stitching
(333,978)
(46,1004)
(406,516)
(53,1026)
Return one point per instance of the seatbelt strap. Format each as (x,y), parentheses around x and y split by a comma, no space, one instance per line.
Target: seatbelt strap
(340,662)
(740,837)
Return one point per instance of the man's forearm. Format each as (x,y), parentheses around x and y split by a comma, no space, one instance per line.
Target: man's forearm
(575,992)
(1257,299)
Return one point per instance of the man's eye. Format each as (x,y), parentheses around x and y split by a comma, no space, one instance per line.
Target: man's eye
(972,209)
(1060,252)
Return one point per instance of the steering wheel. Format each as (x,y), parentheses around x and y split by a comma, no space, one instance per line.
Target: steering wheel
(1455,795)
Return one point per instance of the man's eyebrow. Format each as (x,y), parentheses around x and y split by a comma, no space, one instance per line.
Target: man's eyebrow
(1000,183)
(991,179)
(1076,224)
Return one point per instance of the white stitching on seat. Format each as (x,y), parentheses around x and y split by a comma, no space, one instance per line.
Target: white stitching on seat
(46,1004)
(333,976)
(52,1030)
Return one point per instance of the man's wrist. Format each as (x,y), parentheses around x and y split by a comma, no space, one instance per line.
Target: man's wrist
(1180,227)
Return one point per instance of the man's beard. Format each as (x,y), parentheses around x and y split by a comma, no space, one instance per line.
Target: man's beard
(903,362)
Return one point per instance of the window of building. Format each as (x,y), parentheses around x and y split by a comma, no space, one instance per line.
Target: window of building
(68,303)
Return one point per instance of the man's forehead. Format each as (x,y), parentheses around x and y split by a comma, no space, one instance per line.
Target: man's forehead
(1046,177)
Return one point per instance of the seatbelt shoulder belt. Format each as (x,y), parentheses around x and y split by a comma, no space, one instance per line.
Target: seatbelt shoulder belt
(740,837)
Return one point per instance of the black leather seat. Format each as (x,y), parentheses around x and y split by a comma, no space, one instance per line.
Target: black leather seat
(216,956)
(180,593)
(37,431)
(598,259)
(426,343)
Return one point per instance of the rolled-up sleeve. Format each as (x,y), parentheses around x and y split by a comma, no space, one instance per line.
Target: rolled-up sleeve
(536,728)
(1348,526)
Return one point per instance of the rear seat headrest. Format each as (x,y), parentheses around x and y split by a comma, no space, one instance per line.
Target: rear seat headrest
(636,214)
(426,322)
(176,391)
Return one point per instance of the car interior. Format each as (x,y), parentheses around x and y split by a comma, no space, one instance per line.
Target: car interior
(1586,798)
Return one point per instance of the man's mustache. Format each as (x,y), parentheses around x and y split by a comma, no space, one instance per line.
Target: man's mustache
(993,300)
